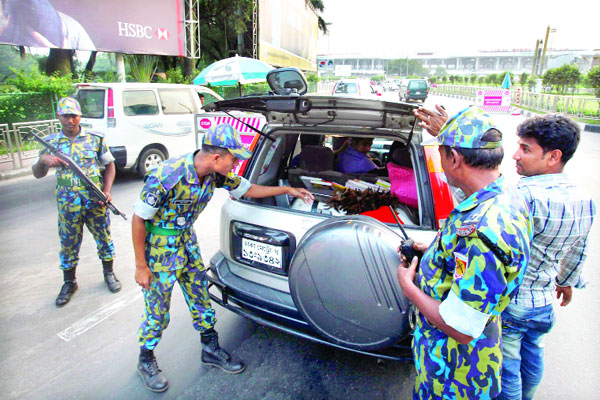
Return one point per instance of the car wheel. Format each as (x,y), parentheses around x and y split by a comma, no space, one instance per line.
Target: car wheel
(149,158)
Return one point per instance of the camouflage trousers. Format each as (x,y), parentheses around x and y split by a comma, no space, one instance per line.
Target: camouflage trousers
(157,300)
(76,209)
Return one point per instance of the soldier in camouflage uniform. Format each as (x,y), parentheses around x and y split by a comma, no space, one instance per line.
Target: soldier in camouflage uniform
(468,275)
(76,207)
(166,247)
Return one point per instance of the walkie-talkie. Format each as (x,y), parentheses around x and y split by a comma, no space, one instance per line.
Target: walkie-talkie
(406,246)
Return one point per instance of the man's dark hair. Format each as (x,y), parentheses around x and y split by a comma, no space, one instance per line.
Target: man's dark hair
(482,158)
(207,148)
(552,132)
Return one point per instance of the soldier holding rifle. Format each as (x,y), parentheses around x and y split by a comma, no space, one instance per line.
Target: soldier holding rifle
(76,206)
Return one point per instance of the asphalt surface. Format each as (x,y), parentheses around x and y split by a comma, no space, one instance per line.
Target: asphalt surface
(88,349)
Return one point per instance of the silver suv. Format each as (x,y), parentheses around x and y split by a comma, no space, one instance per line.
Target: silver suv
(323,271)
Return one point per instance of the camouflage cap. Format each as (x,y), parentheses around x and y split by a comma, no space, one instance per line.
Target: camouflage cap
(227,137)
(68,105)
(466,130)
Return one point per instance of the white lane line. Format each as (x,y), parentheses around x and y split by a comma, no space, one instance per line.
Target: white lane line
(93,319)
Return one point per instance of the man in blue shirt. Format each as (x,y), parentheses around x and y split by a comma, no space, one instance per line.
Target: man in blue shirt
(562,217)
(354,160)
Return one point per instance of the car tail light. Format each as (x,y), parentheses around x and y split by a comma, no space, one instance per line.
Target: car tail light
(111,121)
(242,167)
(407,91)
(443,203)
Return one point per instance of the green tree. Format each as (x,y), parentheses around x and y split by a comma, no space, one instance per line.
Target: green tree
(473,79)
(440,71)
(523,78)
(11,59)
(565,77)
(593,80)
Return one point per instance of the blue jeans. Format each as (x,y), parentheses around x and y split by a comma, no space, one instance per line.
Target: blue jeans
(523,332)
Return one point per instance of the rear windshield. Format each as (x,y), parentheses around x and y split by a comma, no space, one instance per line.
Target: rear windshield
(92,102)
(346,88)
(176,101)
(417,85)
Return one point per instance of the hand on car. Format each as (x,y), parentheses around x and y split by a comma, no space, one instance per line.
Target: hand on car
(303,194)
(430,120)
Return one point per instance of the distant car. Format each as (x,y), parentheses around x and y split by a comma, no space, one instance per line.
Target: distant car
(355,88)
(413,89)
(311,270)
(390,86)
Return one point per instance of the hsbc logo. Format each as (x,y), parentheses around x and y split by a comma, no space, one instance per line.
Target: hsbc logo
(138,31)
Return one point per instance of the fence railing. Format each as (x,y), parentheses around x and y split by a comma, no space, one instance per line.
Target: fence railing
(14,150)
(583,107)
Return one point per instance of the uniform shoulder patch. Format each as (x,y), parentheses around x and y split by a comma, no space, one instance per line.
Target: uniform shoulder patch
(461,261)
(466,230)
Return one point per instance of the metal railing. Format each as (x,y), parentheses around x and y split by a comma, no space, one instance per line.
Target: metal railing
(14,149)
(582,107)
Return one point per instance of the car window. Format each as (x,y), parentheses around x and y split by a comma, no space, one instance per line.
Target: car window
(346,88)
(209,98)
(92,103)
(418,85)
(139,102)
(175,101)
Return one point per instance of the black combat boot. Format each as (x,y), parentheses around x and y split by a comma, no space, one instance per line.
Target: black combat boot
(148,369)
(214,355)
(68,288)
(114,285)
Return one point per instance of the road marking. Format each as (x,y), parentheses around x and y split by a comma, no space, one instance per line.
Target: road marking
(93,319)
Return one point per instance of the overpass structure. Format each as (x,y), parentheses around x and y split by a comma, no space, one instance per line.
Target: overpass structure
(480,63)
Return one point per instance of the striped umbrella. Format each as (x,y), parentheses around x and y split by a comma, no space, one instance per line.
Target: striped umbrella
(233,70)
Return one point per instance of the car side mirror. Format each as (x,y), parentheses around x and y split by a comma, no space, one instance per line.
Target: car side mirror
(286,81)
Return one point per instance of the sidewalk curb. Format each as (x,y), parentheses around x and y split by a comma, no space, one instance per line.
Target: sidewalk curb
(15,173)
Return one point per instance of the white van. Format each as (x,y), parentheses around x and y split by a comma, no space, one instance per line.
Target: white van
(143,123)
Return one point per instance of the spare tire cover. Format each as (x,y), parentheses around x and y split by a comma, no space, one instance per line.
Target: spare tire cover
(344,283)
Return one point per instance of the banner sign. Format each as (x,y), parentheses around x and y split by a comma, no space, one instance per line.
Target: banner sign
(132,26)
(493,100)
(326,65)
(288,33)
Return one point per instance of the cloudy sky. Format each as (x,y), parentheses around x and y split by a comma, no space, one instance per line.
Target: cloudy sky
(400,27)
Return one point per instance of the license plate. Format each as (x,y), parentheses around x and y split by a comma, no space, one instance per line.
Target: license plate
(262,253)
(417,92)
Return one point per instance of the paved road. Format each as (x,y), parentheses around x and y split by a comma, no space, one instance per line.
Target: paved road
(88,349)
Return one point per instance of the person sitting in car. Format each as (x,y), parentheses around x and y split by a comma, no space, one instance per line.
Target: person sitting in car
(354,159)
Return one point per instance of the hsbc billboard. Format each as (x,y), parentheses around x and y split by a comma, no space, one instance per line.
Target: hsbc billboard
(131,26)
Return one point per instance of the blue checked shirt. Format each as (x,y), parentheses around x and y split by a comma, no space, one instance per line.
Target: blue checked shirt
(562,218)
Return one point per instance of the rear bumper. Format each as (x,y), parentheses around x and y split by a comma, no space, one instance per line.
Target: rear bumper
(276,309)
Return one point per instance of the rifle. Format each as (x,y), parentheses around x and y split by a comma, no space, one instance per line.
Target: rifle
(94,190)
